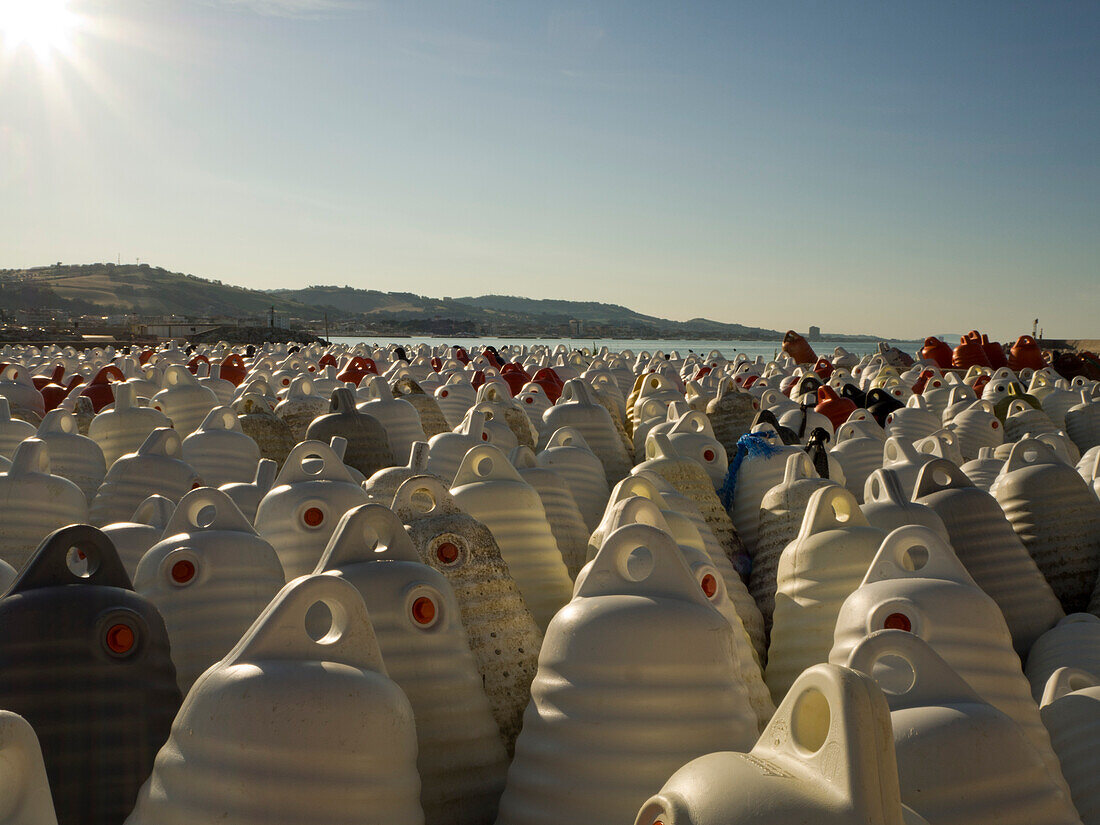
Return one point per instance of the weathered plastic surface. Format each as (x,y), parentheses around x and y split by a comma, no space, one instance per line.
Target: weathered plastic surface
(300,406)
(1074,642)
(562,513)
(460,758)
(488,487)
(568,454)
(220,451)
(298,514)
(72,455)
(156,468)
(86,662)
(210,576)
(123,429)
(287,729)
(12,430)
(368,447)
(1070,708)
(34,502)
(271,434)
(24,789)
(398,417)
(690,479)
(960,760)
(817,572)
(913,421)
(781,514)
(826,758)
(886,506)
(637,675)
(916,582)
(577,408)
(247,496)
(993,555)
(184,400)
(383,484)
(1056,516)
(731,413)
(432,420)
(495,398)
(132,539)
(500,630)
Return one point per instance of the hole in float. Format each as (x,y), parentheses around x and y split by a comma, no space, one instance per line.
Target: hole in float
(841,510)
(914,558)
(424,611)
(894,674)
(638,564)
(422,499)
(941,478)
(205,515)
(82,561)
(810,720)
(326,622)
(313,464)
(483,466)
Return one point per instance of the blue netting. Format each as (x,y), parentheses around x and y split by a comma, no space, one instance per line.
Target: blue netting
(750,444)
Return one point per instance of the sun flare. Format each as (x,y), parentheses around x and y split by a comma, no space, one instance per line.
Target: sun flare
(41,25)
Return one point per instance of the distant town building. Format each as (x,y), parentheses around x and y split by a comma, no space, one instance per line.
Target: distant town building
(815,334)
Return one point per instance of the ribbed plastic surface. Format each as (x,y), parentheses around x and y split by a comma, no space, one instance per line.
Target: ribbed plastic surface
(1056,516)
(781,513)
(220,451)
(637,675)
(460,758)
(500,630)
(1071,713)
(917,581)
(86,661)
(210,576)
(488,487)
(368,447)
(960,760)
(817,572)
(156,468)
(287,730)
(300,512)
(34,502)
(983,540)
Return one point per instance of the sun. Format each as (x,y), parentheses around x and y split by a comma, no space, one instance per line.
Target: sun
(40,25)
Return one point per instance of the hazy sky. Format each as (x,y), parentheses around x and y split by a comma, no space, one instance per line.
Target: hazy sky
(901,168)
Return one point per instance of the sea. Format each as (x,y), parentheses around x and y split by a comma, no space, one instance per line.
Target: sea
(728,348)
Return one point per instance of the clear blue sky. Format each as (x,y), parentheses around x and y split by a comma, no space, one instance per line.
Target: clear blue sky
(901,168)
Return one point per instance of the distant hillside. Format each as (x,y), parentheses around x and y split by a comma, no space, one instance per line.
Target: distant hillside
(143,290)
(610,314)
(138,289)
